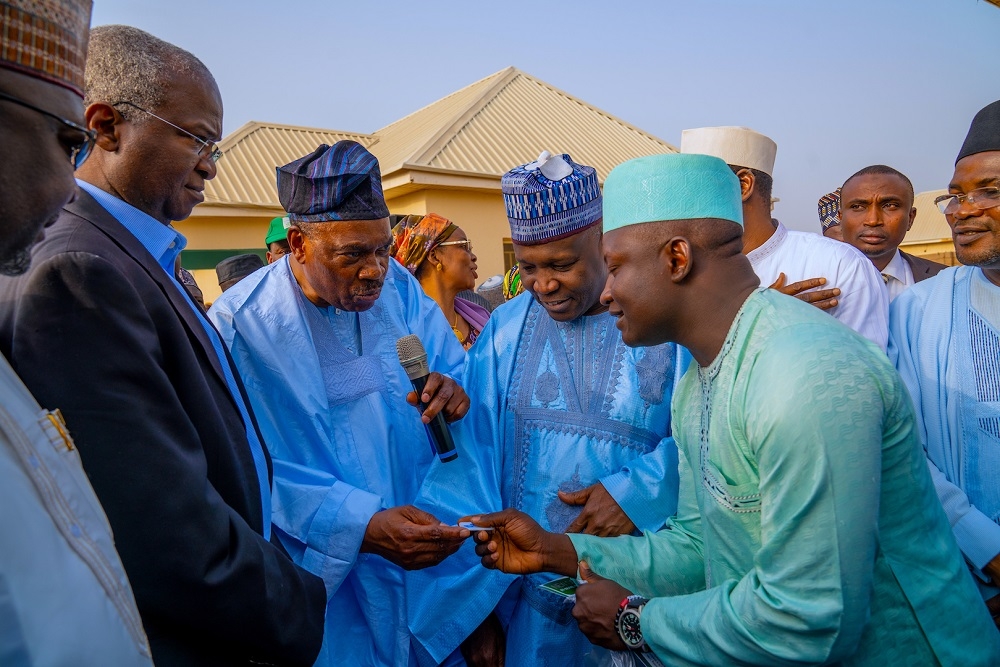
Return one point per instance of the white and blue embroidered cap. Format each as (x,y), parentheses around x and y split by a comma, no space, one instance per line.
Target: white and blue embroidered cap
(550,199)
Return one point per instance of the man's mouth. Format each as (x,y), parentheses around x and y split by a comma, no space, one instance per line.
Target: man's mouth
(199,193)
(555,304)
(967,235)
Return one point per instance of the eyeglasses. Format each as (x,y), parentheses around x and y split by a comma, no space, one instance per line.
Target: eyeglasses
(78,151)
(465,243)
(982,198)
(208,149)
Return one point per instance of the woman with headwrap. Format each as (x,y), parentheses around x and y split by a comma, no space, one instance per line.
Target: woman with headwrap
(439,254)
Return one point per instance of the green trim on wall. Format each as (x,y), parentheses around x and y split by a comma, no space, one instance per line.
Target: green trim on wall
(207,259)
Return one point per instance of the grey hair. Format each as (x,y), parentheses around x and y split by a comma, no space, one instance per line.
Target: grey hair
(125,64)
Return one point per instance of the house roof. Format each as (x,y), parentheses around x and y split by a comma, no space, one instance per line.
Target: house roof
(245,173)
(484,129)
(930,224)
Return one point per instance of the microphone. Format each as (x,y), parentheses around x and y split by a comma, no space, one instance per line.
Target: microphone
(413,359)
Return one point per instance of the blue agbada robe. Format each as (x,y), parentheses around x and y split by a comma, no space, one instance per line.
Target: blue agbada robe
(345,443)
(555,407)
(944,337)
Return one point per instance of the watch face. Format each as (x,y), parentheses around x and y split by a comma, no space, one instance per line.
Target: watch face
(629,628)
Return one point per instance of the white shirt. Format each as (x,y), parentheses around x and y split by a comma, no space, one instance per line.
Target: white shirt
(863,301)
(64,596)
(897,276)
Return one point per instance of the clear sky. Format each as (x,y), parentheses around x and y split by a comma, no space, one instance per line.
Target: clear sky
(838,85)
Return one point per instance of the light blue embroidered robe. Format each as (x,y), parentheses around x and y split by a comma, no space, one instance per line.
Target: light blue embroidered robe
(945,342)
(345,444)
(555,406)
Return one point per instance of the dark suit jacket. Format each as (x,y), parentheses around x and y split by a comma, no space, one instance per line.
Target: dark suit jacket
(97,329)
(922,268)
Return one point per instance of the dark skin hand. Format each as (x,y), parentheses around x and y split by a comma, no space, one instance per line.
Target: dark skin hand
(487,645)
(441,394)
(411,538)
(596,607)
(518,545)
(601,515)
(823,299)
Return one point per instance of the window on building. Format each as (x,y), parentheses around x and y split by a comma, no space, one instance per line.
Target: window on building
(508,255)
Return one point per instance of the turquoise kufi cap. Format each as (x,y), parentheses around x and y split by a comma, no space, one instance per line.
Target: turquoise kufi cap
(671,187)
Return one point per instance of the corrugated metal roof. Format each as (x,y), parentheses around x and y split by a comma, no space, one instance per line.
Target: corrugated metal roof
(526,116)
(930,223)
(487,127)
(252,153)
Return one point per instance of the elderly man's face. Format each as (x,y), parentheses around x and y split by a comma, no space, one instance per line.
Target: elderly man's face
(565,276)
(160,170)
(976,231)
(36,177)
(341,264)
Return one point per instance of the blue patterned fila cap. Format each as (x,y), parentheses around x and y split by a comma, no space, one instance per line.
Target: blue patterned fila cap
(339,182)
(550,199)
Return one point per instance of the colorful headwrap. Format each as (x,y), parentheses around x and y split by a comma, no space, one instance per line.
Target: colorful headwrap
(675,186)
(415,236)
(46,39)
(550,199)
(512,283)
(829,209)
(984,133)
(339,182)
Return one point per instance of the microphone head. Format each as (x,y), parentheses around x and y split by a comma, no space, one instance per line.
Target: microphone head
(412,356)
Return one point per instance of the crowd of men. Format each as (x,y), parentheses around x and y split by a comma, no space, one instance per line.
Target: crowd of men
(724,474)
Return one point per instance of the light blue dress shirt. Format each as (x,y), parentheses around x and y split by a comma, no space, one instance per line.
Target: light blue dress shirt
(165,244)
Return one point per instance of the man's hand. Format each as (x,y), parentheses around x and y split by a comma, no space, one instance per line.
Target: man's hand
(601,515)
(823,299)
(411,538)
(518,545)
(441,393)
(487,645)
(596,608)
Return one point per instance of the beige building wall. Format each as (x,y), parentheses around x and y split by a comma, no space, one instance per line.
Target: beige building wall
(942,251)
(215,232)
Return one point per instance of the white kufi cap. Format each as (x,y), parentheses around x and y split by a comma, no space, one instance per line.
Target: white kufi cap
(737,146)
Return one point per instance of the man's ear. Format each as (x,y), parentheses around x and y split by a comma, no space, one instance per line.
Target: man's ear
(676,257)
(747,183)
(297,244)
(913,216)
(104,119)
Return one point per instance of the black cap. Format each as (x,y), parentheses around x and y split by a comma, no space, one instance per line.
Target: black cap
(237,268)
(984,134)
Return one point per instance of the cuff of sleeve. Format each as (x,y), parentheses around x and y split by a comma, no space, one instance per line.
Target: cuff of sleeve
(582,543)
(621,488)
(978,538)
(336,533)
(646,490)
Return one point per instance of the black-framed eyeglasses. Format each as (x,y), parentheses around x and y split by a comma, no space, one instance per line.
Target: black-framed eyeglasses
(79,151)
(465,243)
(208,149)
(983,198)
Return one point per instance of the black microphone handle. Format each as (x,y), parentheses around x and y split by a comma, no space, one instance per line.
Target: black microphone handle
(438,430)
